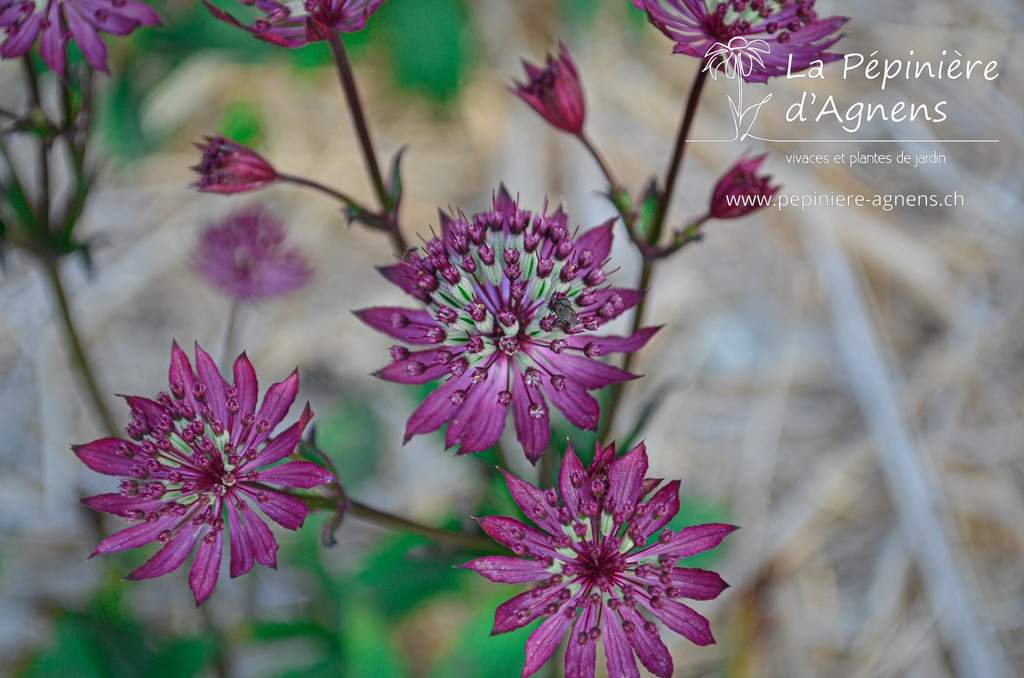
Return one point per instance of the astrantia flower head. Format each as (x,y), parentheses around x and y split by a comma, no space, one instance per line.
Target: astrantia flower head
(196,463)
(512,298)
(555,91)
(229,167)
(245,256)
(742,190)
(792,31)
(58,22)
(294,24)
(593,569)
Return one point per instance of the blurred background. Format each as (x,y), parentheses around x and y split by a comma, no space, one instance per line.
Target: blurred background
(844,383)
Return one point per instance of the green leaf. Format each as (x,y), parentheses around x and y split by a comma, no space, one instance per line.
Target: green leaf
(649,210)
(351,435)
(366,639)
(394,181)
(406,570)
(242,123)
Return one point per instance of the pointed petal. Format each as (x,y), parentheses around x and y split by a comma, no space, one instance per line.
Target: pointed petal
(508,570)
(687,542)
(658,511)
(301,474)
(86,37)
(616,648)
(288,512)
(251,540)
(543,642)
(135,536)
(419,368)
(518,537)
(599,346)
(481,419)
(276,402)
(206,568)
(282,445)
(248,390)
(599,241)
(437,408)
(626,478)
(533,503)
(118,504)
(401,274)
(588,373)
(216,388)
(401,323)
(102,456)
(580,650)
(649,647)
(573,485)
(683,620)
(533,433)
(180,374)
(578,406)
(172,555)
(520,610)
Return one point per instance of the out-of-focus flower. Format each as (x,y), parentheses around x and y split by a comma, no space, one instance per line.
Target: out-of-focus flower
(593,570)
(511,301)
(58,22)
(198,461)
(294,24)
(741,190)
(555,91)
(792,31)
(229,167)
(245,256)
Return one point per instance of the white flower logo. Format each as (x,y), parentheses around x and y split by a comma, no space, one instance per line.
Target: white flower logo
(737,60)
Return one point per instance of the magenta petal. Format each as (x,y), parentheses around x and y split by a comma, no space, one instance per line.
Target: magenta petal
(86,37)
(533,503)
(181,376)
(589,374)
(533,432)
(248,391)
(578,406)
(599,346)
(616,647)
(51,46)
(436,408)
(282,445)
(286,511)
(276,402)
(697,584)
(16,45)
(520,610)
(507,569)
(661,508)
(250,540)
(544,640)
(513,534)
(479,422)
(171,556)
(626,479)
(689,542)
(133,537)
(301,474)
(580,651)
(216,388)
(401,274)
(118,505)
(649,648)
(102,456)
(206,568)
(419,368)
(572,483)
(683,620)
(599,241)
(401,323)
(621,300)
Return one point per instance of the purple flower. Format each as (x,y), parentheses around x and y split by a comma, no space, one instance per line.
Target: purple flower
(293,24)
(229,167)
(511,301)
(594,570)
(741,190)
(197,461)
(793,32)
(58,22)
(555,91)
(244,255)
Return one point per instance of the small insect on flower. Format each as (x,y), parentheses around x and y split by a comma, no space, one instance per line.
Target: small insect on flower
(565,315)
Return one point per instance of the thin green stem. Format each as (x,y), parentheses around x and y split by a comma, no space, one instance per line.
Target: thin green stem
(74,344)
(675,165)
(315,185)
(470,542)
(348,85)
(613,181)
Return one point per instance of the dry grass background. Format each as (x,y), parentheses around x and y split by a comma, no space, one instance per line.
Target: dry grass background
(847,380)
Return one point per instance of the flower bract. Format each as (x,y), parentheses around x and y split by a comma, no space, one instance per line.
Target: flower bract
(599,573)
(555,92)
(229,167)
(294,24)
(742,190)
(196,463)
